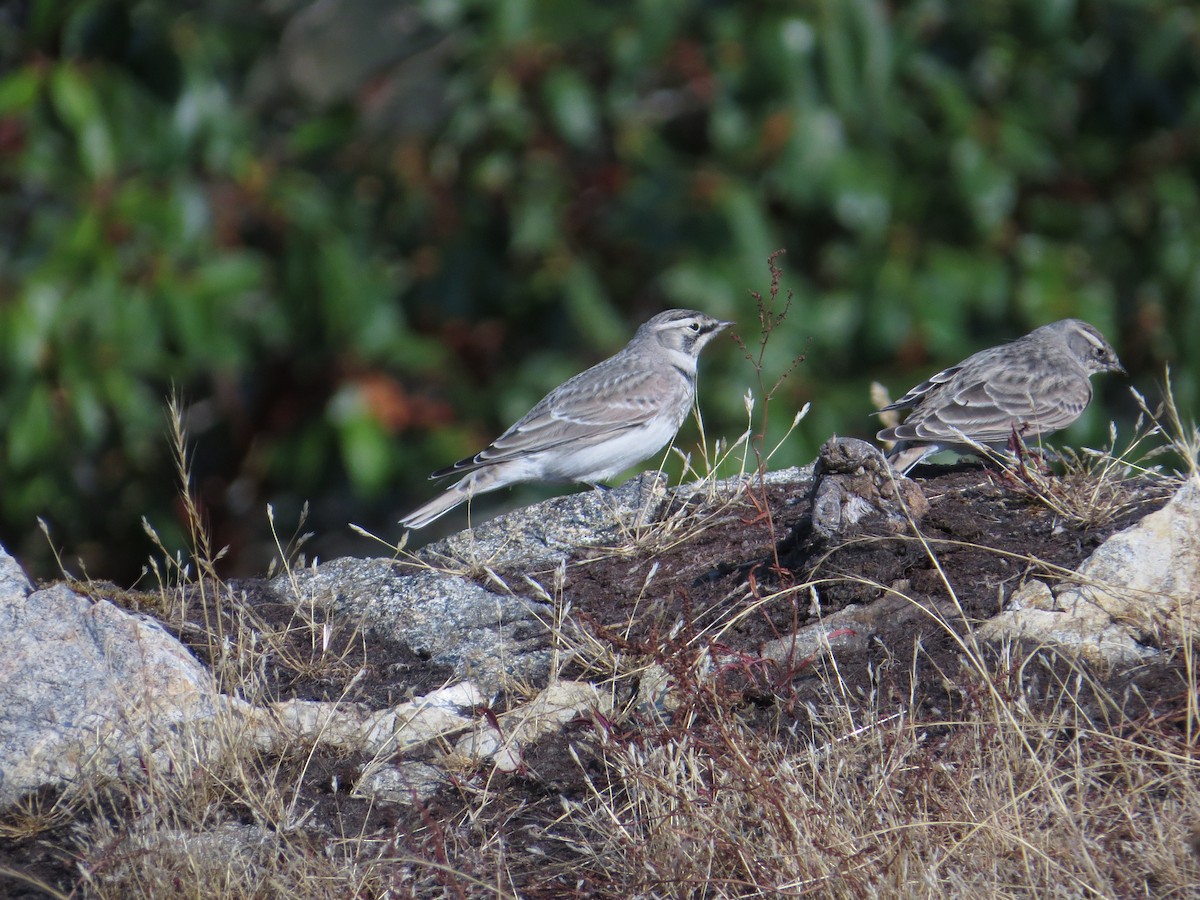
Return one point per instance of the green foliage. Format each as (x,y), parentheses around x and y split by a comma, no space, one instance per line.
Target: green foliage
(362,250)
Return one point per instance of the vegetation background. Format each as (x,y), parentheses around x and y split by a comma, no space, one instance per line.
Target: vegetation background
(360,238)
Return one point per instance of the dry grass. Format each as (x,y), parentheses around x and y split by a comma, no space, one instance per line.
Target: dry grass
(1038,782)
(994,802)
(1034,782)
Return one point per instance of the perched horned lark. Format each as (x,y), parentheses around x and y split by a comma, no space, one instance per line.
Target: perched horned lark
(598,423)
(1036,385)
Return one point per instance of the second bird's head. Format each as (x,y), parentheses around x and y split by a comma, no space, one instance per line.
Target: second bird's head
(1088,346)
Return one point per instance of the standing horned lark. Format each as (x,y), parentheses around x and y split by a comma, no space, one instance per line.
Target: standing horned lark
(1036,385)
(598,423)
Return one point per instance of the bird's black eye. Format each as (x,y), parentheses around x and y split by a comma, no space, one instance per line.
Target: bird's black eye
(695,326)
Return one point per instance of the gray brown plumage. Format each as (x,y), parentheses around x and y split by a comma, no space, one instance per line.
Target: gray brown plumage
(597,424)
(1036,385)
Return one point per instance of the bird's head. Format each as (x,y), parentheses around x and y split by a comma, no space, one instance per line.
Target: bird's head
(683,331)
(1088,346)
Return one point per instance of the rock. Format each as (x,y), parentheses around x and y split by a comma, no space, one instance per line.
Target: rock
(351,727)
(548,533)
(91,691)
(850,628)
(407,782)
(87,688)
(502,740)
(481,635)
(1138,590)
(656,695)
(1033,594)
(225,853)
(854,485)
(14,583)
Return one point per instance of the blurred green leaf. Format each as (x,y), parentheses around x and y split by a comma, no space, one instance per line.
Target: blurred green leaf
(591,308)
(572,107)
(29,433)
(18,90)
(78,104)
(365,446)
(988,188)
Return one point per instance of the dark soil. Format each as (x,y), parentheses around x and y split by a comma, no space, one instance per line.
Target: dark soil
(987,535)
(982,536)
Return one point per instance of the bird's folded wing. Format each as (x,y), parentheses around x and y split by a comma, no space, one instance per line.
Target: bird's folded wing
(916,393)
(988,411)
(594,409)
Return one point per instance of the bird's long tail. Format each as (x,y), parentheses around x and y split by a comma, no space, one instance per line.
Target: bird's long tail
(459,492)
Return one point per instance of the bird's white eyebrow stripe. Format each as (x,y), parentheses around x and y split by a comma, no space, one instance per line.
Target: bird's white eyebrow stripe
(1096,341)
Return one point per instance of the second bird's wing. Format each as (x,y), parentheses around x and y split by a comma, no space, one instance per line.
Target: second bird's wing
(914,394)
(987,409)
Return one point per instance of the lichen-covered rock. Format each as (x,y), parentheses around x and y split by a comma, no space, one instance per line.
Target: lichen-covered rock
(1138,590)
(87,687)
(91,691)
(544,534)
(487,636)
(503,740)
(351,727)
(407,782)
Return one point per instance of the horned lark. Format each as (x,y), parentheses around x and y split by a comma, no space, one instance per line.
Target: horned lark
(1036,385)
(598,423)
